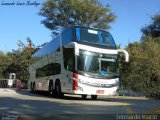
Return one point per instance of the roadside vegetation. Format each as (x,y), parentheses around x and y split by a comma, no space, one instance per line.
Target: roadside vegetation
(142,73)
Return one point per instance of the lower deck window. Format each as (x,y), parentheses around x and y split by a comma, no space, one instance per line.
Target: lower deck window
(47,70)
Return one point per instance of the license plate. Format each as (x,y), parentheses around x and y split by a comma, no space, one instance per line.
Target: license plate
(100,91)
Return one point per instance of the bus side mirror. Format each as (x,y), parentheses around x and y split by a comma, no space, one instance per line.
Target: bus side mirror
(125,53)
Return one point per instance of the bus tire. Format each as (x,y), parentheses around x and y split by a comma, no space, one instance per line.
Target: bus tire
(84,97)
(34,88)
(93,97)
(58,92)
(51,90)
(31,87)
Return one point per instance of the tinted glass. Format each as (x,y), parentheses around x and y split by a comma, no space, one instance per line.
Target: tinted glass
(97,65)
(52,46)
(69,59)
(50,69)
(67,36)
(97,37)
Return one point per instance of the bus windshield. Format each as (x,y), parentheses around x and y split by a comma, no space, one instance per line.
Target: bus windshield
(97,65)
(93,36)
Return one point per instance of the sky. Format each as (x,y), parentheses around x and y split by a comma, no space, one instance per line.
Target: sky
(17,22)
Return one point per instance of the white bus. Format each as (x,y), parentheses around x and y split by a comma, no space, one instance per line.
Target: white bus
(80,60)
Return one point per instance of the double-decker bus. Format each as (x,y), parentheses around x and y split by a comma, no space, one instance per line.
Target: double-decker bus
(80,60)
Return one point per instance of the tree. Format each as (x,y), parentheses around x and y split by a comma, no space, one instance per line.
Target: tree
(143,70)
(3,63)
(18,60)
(153,29)
(63,13)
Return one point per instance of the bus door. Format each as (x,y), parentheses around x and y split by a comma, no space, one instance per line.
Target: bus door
(69,67)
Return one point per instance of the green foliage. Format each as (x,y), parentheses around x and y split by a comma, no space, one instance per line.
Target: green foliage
(63,13)
(153,29)
(3,63)
(17,61)
(143,71)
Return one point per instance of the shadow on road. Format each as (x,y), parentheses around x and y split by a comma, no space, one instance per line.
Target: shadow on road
(46,94)
(29,106)
(78,97)
(37,106)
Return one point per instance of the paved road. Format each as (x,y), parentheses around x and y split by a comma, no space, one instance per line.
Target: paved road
(42,106)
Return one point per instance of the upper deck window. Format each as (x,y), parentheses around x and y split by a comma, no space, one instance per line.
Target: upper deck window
(93,36)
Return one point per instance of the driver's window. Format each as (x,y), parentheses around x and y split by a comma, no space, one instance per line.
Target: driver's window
(69,58)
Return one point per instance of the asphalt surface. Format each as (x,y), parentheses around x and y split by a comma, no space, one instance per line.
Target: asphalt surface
(15,104)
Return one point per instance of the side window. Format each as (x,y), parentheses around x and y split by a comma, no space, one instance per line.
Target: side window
(47,70)
(56,69)
(69,59)
(67,36)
